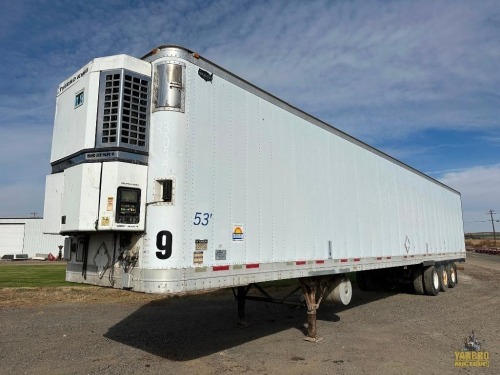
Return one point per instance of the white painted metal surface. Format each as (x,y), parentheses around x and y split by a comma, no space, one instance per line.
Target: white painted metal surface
(75,125)
(30,239)
(11,238)
(262,191)
(79,210)
(54,189)
(115,174)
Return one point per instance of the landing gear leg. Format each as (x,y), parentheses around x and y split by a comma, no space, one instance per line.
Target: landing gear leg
(311,286)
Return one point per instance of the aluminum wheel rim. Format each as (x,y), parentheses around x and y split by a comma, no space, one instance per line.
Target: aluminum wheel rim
(452,275)
(445,277)
(435,280)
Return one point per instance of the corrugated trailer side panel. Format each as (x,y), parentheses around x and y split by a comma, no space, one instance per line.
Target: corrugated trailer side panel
(294,187)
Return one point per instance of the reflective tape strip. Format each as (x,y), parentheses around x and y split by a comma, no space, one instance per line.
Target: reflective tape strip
(320,261)
(300,262)
(220,268)
(379,258)
(343,260)
(253,265)
(357,259)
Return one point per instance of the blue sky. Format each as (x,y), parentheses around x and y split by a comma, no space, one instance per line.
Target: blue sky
(417,79)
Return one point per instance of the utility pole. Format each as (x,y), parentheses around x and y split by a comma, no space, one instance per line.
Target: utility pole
(491,212)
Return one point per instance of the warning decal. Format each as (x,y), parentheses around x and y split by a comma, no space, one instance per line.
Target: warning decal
(201,245)
(238,232)
(198,257)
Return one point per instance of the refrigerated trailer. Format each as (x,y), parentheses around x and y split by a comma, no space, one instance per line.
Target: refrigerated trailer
(172,175)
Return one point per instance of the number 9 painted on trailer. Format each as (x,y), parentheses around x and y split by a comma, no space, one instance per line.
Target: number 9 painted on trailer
(164,243)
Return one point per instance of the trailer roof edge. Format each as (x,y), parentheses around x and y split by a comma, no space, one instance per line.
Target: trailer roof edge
(297,111)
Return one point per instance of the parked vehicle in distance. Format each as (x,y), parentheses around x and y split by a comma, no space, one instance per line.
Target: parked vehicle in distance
(15,257)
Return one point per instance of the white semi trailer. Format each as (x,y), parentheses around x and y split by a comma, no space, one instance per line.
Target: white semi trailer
(172,175)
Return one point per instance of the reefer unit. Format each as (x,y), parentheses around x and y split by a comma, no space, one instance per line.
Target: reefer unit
(171,174)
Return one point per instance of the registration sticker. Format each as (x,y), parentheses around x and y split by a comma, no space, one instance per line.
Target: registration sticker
(198,257)
(220,254)
(201,245)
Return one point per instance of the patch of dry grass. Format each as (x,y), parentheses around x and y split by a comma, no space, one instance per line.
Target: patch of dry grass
(39,296)
(14,297)
(480,243)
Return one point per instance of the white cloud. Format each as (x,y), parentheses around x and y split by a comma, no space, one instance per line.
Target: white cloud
(489,138)
(382,71)
(376,69)
(480,191)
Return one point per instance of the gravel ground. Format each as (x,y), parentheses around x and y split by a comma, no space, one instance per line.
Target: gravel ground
(103,331)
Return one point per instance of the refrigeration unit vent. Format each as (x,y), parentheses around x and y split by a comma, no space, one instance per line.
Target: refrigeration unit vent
(123,110)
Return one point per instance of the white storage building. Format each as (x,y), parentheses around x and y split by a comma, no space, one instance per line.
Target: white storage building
(25,236)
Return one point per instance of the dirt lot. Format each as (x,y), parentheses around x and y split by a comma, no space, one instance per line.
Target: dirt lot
(91,330)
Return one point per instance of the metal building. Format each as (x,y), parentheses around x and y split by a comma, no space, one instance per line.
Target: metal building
(25,236)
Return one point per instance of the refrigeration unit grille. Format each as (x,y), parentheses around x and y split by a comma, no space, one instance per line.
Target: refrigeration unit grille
(123,110)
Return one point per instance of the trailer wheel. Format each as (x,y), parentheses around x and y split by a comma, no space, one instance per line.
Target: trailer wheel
(431,281)
(443,278)
(452,275)
(418,281)
(386,280)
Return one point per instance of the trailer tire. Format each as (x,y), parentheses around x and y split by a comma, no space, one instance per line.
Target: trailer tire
(385,280)
(443,278)
(431,281)
(418,281)
(452,275)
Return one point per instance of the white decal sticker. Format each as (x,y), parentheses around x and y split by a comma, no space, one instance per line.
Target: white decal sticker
(238,232)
